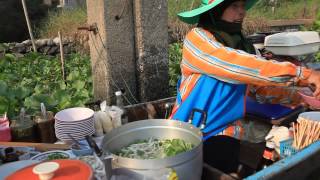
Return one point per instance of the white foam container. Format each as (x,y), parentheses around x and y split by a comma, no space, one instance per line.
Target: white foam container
(293,43)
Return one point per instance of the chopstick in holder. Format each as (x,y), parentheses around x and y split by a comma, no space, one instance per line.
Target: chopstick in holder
(317,135)
(299,127)
(310,134)
(303,129)
(313,131)
(294,135)
(306,132)
(306,136)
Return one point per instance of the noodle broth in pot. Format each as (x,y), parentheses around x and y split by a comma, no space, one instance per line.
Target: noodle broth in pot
(188,164)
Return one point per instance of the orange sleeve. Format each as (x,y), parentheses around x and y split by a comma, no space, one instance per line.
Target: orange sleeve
(203,54)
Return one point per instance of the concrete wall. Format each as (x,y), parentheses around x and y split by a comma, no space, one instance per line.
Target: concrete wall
(112,48)
(151,24)
(129,50)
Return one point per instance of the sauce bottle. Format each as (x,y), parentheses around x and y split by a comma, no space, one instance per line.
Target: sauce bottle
(268,155)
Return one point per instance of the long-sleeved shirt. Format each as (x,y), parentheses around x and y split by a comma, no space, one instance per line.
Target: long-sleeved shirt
(214,79)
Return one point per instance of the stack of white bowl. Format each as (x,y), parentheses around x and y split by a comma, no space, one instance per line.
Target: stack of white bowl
(77,122)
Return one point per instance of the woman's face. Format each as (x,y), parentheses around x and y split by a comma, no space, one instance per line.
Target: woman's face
(235,13)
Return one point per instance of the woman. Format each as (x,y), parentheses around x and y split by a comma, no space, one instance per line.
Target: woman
(218,65)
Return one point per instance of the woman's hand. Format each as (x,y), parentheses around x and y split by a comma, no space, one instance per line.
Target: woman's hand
(314,80)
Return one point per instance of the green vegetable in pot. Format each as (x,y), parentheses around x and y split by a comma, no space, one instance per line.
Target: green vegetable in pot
(153,148)
(56,156)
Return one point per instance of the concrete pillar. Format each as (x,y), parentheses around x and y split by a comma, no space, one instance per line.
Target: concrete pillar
(112,48)
(151,28)
(130,49)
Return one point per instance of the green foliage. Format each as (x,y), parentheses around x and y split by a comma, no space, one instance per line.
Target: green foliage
(316,24)
(284,9)
(318,57)
(276,3)
(35,78)
(176,6)
(316,27)
(66,21)
(175,56)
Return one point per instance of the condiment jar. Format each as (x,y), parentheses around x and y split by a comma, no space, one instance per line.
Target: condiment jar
(45,127)
(22,129)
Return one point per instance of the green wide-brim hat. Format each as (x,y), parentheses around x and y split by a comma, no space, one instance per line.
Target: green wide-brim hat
(192,17)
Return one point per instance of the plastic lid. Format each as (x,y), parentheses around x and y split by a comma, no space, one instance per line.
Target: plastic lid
(118,93)
(45,168)
(288,39)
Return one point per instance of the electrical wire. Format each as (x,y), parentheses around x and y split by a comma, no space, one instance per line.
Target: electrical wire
(101,55)
(134,110)
(124,81)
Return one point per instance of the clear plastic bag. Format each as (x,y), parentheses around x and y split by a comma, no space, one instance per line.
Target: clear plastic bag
(116,113)
(97,166)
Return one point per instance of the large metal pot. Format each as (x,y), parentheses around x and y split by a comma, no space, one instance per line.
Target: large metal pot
(188,165)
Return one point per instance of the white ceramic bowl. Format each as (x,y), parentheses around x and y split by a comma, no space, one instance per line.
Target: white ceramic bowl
(46,170)
(74,114)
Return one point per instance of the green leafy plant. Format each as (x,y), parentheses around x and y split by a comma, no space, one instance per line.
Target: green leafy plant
(316,27)
(175,56)
(27,81)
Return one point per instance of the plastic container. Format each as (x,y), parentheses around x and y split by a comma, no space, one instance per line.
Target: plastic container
(5,131)
(293,43)
(115,113)
(45,128)
(286,148)
(23,129)
(307,96)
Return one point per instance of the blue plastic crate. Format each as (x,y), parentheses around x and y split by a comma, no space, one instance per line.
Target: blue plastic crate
(286,148)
